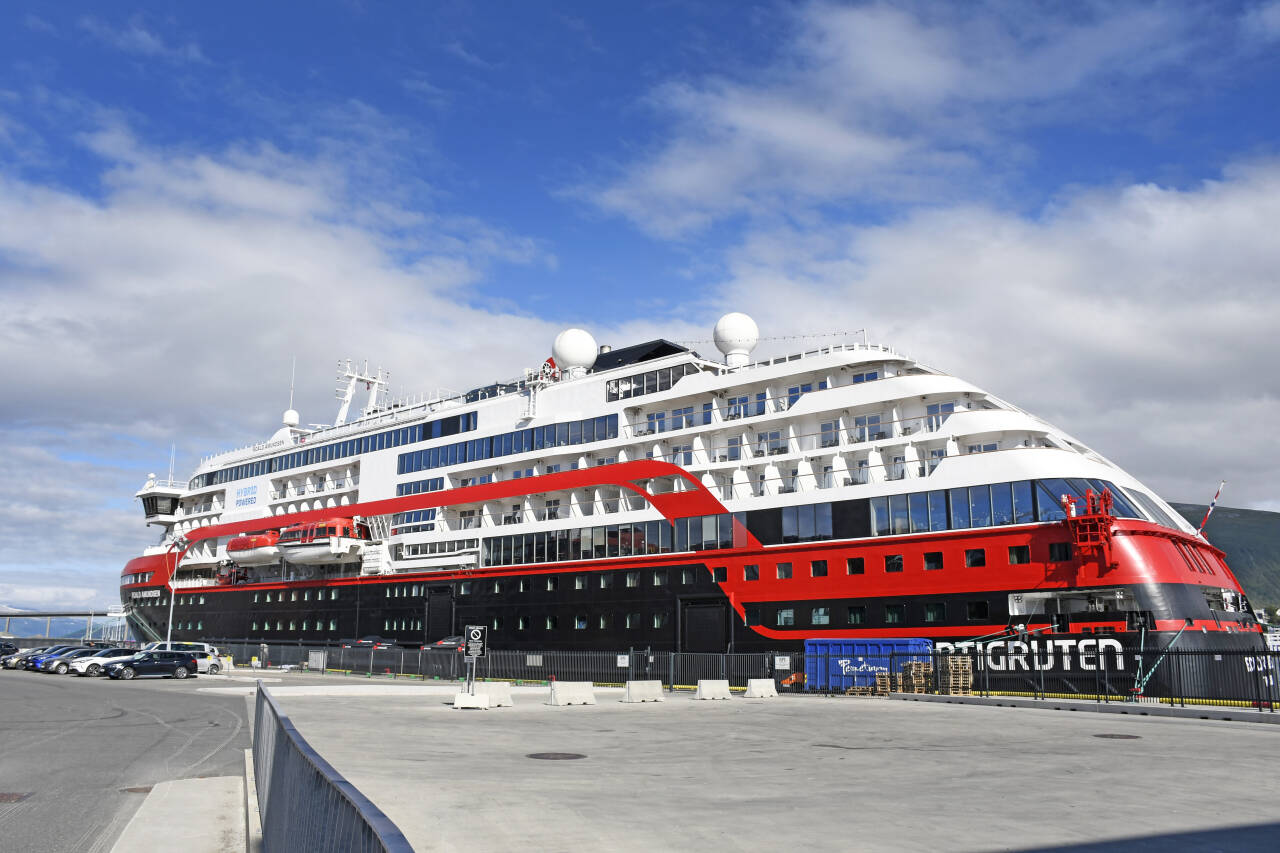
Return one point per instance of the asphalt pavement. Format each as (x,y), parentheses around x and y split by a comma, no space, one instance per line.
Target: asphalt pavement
(79,755)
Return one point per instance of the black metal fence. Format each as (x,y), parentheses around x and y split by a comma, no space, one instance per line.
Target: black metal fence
(1229,678)
(1226,678)
(305,804)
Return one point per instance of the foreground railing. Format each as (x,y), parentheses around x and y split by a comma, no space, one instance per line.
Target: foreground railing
(304,803)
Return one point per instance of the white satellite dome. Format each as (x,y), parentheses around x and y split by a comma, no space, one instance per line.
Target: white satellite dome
(574,351)
(736,335)
(290,418)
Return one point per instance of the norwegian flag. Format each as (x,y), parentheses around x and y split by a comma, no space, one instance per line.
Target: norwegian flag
(1209,511)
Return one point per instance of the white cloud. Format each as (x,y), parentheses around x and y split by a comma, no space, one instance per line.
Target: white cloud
(1140,318)
(137,39)
(1262,22)
(874,102)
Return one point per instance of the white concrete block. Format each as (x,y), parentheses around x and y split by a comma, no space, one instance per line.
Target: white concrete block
(761,688)
(711,688)
(499,693)
(643,691)
(572,693)
(471,700)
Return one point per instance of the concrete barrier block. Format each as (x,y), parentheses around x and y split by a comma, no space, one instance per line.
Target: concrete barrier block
(712,688)
(499,693)
(572,693)
(643,691)
(761,688)
(471,700)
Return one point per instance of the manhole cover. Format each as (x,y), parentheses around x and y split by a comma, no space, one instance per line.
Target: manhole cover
(1120,737)
(139,789)
(555,756)
(12,798)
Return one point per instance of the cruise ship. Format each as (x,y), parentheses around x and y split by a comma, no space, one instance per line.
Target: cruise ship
(649,497)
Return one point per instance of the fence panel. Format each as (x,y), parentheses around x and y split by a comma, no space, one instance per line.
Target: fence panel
(305,804)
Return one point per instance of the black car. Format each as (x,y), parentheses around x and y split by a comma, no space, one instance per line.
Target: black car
(370,642)
(447,644)
(165,664)
(8,649)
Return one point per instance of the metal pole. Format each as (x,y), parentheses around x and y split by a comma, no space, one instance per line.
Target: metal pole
(168,635)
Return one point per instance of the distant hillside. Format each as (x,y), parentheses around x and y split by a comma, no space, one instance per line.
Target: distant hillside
(1251,538)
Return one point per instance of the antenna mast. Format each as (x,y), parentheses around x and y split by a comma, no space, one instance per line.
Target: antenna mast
(375,383)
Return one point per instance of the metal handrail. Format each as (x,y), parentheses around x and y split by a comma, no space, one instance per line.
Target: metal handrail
(320,809)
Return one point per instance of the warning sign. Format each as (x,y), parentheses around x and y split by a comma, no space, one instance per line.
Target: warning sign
(477,640)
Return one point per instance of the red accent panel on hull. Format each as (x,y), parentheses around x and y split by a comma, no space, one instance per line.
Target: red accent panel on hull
(160,565)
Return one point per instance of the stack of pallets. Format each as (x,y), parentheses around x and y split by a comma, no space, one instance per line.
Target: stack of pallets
(955,675)
(882,684)
(914,677)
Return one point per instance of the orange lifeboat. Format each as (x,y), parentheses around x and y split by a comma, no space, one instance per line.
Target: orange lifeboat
(336,540)
(255,549)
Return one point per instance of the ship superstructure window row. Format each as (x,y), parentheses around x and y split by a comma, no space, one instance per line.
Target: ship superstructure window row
(563,434)
(440,428)
(418,487)
(649,382)
(994,504)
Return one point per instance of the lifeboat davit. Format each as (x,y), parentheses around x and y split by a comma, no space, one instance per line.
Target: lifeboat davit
(256,549)
(337,540)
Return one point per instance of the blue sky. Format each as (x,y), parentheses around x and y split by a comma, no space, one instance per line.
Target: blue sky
(191,195)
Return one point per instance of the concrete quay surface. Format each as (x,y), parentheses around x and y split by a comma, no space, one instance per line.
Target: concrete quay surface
(794,773)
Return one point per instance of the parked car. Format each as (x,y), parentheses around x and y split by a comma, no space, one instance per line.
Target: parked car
(19,659)
(446,644)
(7,648)
(59,664)
(208,664)
(94,664)
(33,661)
(370,642)
(165,664)
(180,646)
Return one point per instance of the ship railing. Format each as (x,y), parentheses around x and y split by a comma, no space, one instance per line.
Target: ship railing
(192,583)
(304,803)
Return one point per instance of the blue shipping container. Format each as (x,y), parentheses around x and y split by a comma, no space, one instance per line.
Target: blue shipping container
(841,664)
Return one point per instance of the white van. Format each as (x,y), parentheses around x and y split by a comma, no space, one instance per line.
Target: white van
(177,646)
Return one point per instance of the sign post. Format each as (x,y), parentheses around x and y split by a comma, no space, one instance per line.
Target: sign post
(476,641)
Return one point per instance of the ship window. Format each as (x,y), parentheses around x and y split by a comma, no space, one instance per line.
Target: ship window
(552,583)
(818,568)
(978,610)
(751,573)
(751,614)
(1019,554)
(937,511)
(1023,511)
(880,516)
(579,581)
(899,513)
(522,622)
(1001,503)
(659,620)
(959,508)
(784,571)
(932,560)
(975,558)
(496,624)
(633,579)
(1059,552)
(786,617)
(855,565)
(293,596)
(935,611)
(820,616)
(606,580)
(580,622)
(720,574)
(895,614)
(464,588)
(333,624)
(333,595)
(979,506)
(893,562)
(551,622)
(633,620)
(660,577)
(919,512)
(602,622)
(255,627)
(857,614)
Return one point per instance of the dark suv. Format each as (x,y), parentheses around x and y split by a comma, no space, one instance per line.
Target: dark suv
(166,664)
